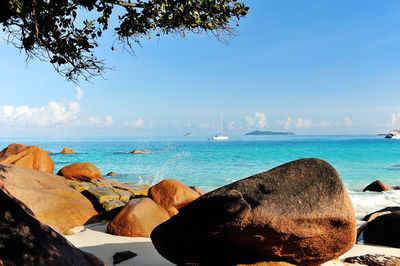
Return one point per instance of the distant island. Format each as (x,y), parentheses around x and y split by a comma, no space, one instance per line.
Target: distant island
(259,133)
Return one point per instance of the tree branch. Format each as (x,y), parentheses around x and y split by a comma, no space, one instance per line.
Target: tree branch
(125,4)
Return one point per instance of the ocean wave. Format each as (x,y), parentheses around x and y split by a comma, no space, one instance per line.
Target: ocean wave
(367,202)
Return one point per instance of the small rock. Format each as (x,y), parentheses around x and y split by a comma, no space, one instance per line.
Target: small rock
(137,190)
(123,194)
(112,174)
(103,194)
(80,186)
(377,186)
(137,219)
(374,260)
(170,192)
(67,151)
(80,172)
(123,256)
(112,204)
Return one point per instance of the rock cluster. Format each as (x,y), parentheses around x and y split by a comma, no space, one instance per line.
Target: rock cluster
(296,213)
(107,195)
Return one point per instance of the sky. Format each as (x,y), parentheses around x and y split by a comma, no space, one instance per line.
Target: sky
(307,66)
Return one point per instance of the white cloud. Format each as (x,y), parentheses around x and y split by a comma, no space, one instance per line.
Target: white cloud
(299,123)
(323,124)
(79,93)
(109,120)
(204,125)
(348,122)
(55,113)
(396,119)
(231,125)
(303,123)
(286,124)
(95,121)
(259,121)
(250,121)
(138,123)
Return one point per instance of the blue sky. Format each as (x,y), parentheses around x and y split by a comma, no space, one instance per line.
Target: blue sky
(309,67)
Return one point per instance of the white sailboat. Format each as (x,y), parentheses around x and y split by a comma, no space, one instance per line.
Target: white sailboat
(223,135)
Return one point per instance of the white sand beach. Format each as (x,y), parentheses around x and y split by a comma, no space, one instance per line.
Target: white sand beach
(95,240)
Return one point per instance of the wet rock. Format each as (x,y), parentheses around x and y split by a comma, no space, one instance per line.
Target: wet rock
(123,256)
(170,192)
(80,186)
(80,172)
(112,204)
(31,157)
(384,230)
(137,219)
(299,212)
(48,196)
(67,151)
(123,194)
(374,260)
(377,186)
(112,174)
(102,183)
(371,216)
(137,190)
(103,194)
(24,240)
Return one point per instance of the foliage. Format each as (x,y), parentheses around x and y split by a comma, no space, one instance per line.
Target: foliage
(54,31)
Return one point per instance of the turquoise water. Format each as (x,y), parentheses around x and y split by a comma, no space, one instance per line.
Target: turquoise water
(210,164)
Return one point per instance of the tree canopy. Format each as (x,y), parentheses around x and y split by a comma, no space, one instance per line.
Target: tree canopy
(62,33)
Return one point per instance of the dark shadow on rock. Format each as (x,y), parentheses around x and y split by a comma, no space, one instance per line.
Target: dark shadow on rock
(3,168)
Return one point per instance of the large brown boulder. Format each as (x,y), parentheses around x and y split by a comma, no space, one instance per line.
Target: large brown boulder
(31,157)
(299,212)
(138,218)
(48,196)
(170,192)
(80,172)
(26,241)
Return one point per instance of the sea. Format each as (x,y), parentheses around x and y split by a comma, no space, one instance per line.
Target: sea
(197,161)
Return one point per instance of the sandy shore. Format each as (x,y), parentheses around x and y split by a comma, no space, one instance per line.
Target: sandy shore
(95,240)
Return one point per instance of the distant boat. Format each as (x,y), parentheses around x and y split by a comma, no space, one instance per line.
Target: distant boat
(223,135)
(188,135)
(395,134)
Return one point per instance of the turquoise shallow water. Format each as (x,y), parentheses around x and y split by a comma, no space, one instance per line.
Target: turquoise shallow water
(209,164)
